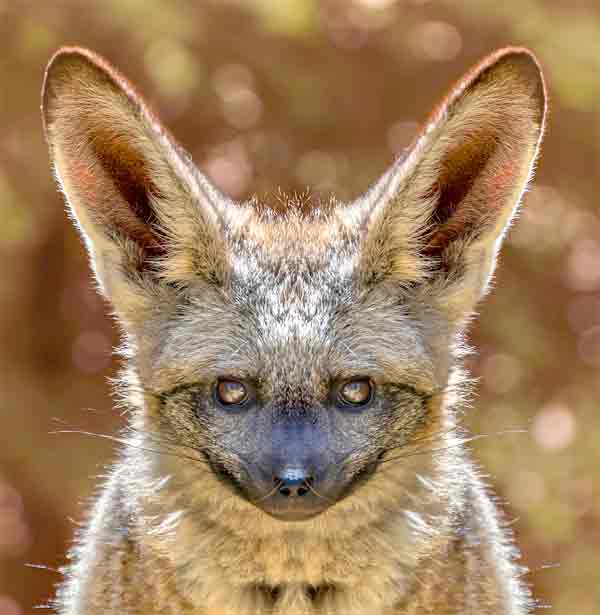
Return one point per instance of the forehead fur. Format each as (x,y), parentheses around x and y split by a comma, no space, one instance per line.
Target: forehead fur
(294,312)
(292,271)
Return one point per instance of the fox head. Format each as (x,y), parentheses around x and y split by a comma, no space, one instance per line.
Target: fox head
(292,352)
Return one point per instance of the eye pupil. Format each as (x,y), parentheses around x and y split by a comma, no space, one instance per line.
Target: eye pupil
(231,393)
(356,392)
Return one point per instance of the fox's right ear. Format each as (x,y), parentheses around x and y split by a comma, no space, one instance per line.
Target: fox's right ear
(150,220)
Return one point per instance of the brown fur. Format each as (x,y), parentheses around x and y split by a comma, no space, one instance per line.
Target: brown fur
(292,302)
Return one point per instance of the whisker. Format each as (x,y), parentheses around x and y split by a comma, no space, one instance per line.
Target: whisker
(156,438)
(126,442)
(436,435)
(269,494)
(433,450)
(43,567)
(439,435)
(319,495)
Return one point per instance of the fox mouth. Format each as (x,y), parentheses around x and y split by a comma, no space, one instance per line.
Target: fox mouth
(313,503)
(300,501)
(288,508)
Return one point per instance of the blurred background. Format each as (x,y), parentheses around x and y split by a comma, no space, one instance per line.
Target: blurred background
(274,96)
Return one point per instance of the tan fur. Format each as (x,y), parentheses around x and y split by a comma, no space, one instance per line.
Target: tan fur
(380,287)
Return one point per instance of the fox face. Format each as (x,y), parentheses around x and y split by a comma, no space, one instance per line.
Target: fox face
(297,386)
(292,354)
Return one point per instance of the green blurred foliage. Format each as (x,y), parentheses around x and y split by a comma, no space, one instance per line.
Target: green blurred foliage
(271,98)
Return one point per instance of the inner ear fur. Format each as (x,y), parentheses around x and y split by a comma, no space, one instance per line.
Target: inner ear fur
(493,121)
(99,133)
(437,214)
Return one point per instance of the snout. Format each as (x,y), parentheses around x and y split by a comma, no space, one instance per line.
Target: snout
(296,477)
(295,495)
(294,483)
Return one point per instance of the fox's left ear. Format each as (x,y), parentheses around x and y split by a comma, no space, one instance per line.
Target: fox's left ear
(435,220)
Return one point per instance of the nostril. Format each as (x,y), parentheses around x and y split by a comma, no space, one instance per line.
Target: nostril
(304,488)
(293,485)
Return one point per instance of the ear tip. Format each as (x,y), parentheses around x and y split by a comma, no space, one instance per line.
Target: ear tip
(515,52)
(64,66)
(68,61)
(522,64)
(72,70)
(73,53)
(521,60)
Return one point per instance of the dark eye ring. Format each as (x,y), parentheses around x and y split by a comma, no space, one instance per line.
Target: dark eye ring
(356,393)
(231,393)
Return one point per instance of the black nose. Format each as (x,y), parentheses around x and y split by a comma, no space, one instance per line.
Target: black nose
(293,482)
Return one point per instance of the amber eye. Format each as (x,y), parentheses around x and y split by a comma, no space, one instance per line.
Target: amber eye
(357,392)
(231,393)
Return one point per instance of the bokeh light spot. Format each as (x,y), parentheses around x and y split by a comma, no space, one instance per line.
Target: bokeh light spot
(436,40)
(376,4)
(526,490)
(401,134)
(234,83)
(554,427)
(588,346)
(583,313)
(501,372)
(291,17)
(317,169)
(91,352)
(583,265)
(172,68)
(230,77)
(8,606)
(229,167)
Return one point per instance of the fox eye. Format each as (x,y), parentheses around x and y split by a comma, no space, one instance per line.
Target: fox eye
(356,392)
(231,393)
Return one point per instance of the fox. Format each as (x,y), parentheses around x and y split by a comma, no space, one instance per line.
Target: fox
(293,378)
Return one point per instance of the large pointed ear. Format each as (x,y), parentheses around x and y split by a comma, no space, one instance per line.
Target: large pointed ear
(150,220)
(435,220)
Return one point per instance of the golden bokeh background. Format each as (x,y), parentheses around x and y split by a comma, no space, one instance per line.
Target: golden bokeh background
(271,97)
